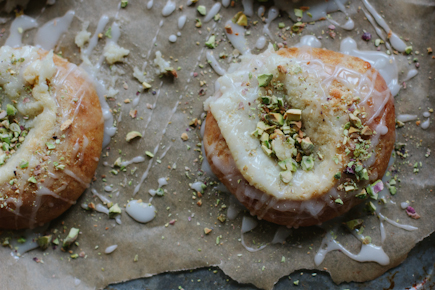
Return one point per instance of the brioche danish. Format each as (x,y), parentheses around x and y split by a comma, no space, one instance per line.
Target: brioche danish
(51,133)
(299,135)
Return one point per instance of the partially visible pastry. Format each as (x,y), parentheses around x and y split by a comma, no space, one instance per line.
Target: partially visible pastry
(298,135)
(51,133)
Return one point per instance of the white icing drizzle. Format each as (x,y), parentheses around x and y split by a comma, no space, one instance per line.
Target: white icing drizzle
(169,8)
(226,3)
(404,205)
(110,249)
(74,176)
(425,124)
(349,24)
(386,65)
(271,15)
(396,224)
(101,208)
(172,38)
(234,208)
(86,52)
(140,211)
(248,7)
(150,4)
(411,73)
(426,114)
(309,40)
(248,224)
(17,28)
(104,199)
(181,21)
(213,11)
(48,35)
(214,63)
(137,159)
(237,37)
(281,234)
(261,42)
(261,10)
(406,117)
(197,186)
(162,181)
(395,40)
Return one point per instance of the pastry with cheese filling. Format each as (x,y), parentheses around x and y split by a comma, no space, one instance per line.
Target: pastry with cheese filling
(300,135)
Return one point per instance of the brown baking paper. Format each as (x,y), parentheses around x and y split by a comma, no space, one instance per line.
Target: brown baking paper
(163,246)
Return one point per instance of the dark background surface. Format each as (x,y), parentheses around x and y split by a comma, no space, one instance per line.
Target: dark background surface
(417,272)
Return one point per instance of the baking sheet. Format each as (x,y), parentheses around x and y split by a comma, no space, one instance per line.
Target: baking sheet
(163,247)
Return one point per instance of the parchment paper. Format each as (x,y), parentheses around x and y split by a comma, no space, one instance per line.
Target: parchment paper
(161,246)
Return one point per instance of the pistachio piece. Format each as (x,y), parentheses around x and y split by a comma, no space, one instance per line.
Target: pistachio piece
(124,3)
(44,241)
(408,49)
(266,150)
(118,162)
(114,210)
(66,124)
(307,163)
(353,130)
(371,207)
(354,120)
(366,131)
(240,19)
(293,115)
(202,10)
(286,176)
(275,118)
(337,175)
(11,110)
(211,42)
(265,100)
(264,79)
(338,201)
(243,20)
(71,238)
(307,145)
(131,135)
(354,224)
(146,85)
(299,13)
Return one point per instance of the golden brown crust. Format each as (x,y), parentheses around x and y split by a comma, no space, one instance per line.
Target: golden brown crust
(56,190)
(271,209)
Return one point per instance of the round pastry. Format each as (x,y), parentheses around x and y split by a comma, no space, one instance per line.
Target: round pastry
(300,135)
(51,133)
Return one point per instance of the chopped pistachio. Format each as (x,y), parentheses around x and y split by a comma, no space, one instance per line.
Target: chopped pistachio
(408,49)
(293,115)
(202,10)
(337,175)
(211,42)
(275,118)
(286,176)
(307,145)
(146,85)
(281,25)
(149,154)
(124,3)
(71,238)
(50,146)
(371,207)
(338,201)
(10,110)
(131,135)
(32,180)
(307,163)
(114,210)
(354,224)
(264,79)
(354,120)
(44,241)
(298,13)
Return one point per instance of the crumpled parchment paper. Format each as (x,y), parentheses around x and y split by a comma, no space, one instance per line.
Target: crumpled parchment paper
(163,246)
